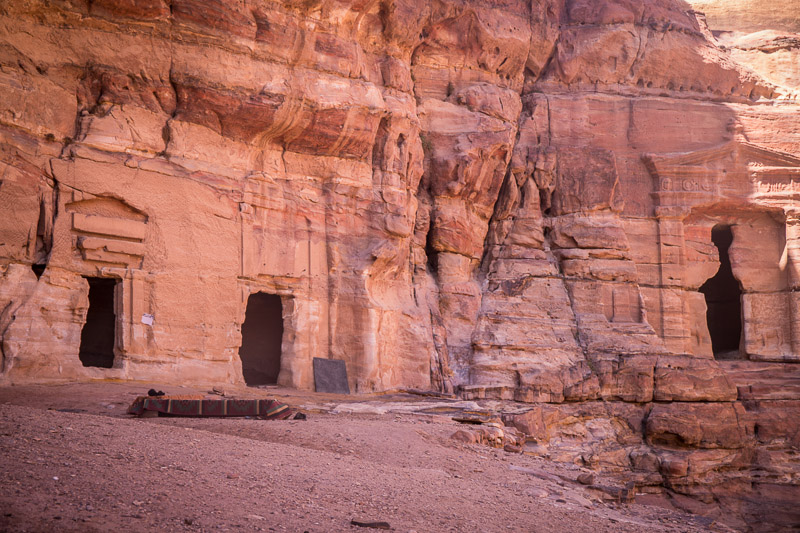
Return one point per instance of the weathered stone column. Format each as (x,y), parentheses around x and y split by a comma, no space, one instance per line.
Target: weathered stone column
(134,314)
(793,267)
(672,260)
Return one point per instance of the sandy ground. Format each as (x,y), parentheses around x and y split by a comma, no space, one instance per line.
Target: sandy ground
(72,460)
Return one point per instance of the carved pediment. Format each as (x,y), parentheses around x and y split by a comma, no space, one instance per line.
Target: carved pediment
(107,230)
(760,156)
(733,172)
(736,152)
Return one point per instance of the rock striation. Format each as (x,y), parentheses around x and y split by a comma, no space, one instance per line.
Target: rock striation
(547,201)
(764,37)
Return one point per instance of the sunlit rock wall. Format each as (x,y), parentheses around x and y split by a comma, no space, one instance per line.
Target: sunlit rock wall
(764,36)
(511,198)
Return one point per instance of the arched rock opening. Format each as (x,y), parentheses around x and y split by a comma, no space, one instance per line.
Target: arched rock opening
(723,296)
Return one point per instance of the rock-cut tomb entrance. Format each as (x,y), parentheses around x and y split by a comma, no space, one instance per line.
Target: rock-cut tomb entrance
(262,333)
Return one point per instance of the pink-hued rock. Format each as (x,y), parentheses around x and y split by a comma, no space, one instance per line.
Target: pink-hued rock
(685,379)
(772,54)
(488,177)
(512,200)
(699,425)
(531,423)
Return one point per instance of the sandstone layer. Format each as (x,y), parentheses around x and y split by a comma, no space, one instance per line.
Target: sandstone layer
(763,36)
(547,201)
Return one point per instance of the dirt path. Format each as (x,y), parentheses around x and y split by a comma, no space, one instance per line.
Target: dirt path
(98,470)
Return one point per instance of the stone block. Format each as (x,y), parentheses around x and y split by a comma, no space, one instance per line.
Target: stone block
(699,425)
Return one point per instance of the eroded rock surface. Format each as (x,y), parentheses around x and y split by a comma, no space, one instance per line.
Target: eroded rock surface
(548,201)
(764,37)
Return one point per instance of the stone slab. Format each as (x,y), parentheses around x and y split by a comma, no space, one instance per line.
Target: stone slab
(330,375)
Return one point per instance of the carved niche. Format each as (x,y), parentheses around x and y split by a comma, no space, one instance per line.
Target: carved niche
(107,230)
(737,181)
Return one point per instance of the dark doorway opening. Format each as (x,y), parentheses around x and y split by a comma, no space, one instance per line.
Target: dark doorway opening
(723,299)
(97,335)
(262,332)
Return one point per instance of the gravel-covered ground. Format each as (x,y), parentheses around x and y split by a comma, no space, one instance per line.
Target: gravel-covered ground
(72,460)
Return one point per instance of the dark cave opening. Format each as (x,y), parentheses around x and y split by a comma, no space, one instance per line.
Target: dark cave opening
(38,269)
(262,334)
(723,299)
(99,332)
(431,254)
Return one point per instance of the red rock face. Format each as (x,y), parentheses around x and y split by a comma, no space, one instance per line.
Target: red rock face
(507,199)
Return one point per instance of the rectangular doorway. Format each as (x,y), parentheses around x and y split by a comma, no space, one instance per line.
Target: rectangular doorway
(99,332)
(262,333)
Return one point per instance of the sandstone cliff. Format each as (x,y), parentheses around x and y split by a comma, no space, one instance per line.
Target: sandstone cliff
(514,200)
(763,36)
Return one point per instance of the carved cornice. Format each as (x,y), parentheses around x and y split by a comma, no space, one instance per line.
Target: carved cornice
(735,172)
